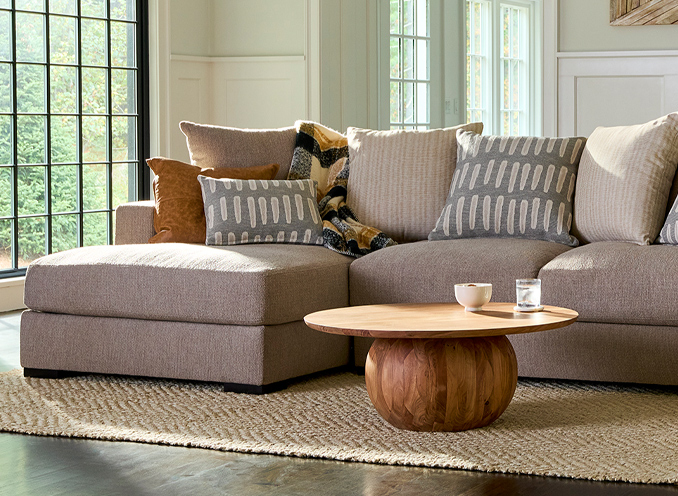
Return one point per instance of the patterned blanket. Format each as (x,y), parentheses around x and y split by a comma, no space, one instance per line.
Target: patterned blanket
(321,154)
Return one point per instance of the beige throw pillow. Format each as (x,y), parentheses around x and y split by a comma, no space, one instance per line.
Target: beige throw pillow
(625,176)
(399,179)
(212,147)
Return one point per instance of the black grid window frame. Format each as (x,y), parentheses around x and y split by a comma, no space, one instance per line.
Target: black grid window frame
(138,173)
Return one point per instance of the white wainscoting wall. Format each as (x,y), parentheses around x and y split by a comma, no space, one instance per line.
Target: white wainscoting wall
(614,89)
(247,92)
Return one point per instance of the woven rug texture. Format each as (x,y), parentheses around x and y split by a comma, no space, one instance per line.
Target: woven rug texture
(566,429)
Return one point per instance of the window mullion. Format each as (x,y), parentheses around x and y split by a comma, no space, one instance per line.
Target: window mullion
(109,119)
(15,152)
(80,172)
(48,135)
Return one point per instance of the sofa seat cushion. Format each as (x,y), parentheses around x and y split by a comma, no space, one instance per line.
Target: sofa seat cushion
(242,285)
(426,271)
(615,282)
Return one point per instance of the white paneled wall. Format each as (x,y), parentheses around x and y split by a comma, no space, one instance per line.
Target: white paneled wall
(614,89)
(247,92)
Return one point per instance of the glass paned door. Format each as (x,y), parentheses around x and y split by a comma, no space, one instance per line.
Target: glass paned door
(70,120)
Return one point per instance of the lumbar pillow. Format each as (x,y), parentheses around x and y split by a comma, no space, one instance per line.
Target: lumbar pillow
(669,233)
(255,211)
(179,212)
(216,146)
(511,186)
(399,179)
(624,181)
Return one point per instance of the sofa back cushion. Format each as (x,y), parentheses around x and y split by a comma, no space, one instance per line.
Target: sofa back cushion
(215,146)
(624,181)
(399,179)
(511,186)
(179,212)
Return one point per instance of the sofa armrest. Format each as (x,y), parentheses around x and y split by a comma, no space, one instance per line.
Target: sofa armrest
(134,222)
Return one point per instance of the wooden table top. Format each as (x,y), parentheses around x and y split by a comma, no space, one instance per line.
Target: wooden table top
(436,320)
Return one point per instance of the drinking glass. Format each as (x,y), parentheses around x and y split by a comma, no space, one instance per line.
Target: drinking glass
(528,294)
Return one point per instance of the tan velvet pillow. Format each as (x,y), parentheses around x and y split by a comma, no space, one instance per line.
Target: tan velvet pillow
(179,211)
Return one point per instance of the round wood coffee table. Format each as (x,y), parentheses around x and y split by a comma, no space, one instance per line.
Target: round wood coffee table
(435,366)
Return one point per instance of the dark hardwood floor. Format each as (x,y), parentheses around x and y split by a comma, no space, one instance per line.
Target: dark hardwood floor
(32,465)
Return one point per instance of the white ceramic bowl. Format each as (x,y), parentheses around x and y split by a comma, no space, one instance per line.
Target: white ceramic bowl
(473,295)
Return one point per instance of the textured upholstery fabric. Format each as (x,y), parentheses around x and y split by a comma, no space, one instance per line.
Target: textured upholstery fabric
(254,355)
(669,233)
(427,272)
(243,285)
(134,222)
(511,186)
(179,210)
(615,282)
(600,352)
(399,179)
(214,146)
(625,176)
(246,212)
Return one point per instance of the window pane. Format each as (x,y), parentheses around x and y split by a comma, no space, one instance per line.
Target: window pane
(422,18)
(477,28)
(422,59)
(64,188)
(64,139)
(5,88)
(408,16)
(94,140)
(30,82)
(395,16)
(62,40)
(121,183)
(506,26)
(408,59)
(6,187)
(123,9)
(515,123)
(30,34)
(94,181)
(478,83)
(63,88)
(124,139)
(422,102)
(35,5)
(62,6)
(395,58)
(506,94)
(515,42)
(122,44)
(94,97)
(5,139)
(94,47)
(95,229)
(395,101)
(93,8)
(64,232)
(31,239)
(515,81)
(30,140)
(5,244)
(123,91)
(409,102)
(31,190)
(5,36)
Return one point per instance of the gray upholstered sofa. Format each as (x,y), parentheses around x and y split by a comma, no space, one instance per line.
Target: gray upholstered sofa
(234,314)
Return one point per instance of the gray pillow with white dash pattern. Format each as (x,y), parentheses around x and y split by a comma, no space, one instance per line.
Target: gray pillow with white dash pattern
(511,186)
(241,211)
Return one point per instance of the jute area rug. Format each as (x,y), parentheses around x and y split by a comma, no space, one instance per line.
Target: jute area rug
(579,430)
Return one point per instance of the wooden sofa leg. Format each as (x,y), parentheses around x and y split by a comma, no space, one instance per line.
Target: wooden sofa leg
(48,373)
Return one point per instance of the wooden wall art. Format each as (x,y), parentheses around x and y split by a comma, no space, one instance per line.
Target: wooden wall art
(643,12)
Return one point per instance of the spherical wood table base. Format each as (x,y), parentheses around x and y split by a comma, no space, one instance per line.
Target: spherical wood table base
(441,384)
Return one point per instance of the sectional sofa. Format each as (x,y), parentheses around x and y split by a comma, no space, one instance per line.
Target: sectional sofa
(234,314)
